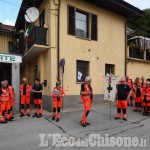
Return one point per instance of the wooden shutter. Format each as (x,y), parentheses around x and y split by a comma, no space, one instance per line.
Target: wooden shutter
(71,20)
(94,27)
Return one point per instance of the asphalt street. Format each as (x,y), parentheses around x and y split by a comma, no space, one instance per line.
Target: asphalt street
(26,133)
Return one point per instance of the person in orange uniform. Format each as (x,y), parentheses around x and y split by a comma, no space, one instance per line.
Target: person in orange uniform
(5,95)
(129,82)
(25,93)
(12,99)
(86,94)
(123,94)
(142,82)
(137,97)
(57,94)
(2,105)
(37,96)
(146,102)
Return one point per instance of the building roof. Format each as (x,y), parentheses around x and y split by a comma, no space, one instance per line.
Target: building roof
(5,27)
(117,6)
(120,7)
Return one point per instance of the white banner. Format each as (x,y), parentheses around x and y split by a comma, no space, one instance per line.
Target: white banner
(10,58)
(79,75)
(110,88)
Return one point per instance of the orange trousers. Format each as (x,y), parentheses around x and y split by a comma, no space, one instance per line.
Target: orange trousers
(87,107)
(11,107)
(38,106)
(122,104)
(4,107)
(57,104)
(25,100)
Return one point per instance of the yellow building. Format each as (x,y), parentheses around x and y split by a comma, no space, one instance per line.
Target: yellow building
(90,35)
(9,61)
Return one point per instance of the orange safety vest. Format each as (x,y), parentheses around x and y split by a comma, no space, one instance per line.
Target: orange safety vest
(147,92)
(6,94)
(55,96)
(86,89)
(28,88)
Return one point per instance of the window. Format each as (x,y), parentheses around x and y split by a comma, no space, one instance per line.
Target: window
(82,70)
(94,27)
(71,20)
(82,24)
(78,23)
(109,68)
(11,46)
(42,19)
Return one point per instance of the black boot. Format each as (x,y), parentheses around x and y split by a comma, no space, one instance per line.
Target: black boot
(35,115)
(22,115)
(57,120)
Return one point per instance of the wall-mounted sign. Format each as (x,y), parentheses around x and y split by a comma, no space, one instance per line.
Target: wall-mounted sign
(62,62)
(10,58)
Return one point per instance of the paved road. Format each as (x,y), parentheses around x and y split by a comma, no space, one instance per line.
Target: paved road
(23,134)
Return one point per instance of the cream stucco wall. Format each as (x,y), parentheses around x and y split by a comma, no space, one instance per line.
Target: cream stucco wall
(137,68)
(110,47)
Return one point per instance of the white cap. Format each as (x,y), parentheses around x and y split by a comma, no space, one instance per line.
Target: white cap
(24,79)
(147,82)
(87,79)
(123,79)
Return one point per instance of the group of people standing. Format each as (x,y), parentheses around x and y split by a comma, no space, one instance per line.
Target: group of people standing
(129,93)
(133,93)
(7,98)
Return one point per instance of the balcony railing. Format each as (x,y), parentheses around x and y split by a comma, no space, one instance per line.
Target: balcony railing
(135,53)
(37,35)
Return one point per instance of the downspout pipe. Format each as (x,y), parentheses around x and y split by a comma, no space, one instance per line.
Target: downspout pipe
(58,41)
(125,67)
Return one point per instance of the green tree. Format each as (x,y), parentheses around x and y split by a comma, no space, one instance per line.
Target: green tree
(141,26)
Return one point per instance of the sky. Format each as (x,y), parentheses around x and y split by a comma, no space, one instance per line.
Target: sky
(141,4)
(9,9)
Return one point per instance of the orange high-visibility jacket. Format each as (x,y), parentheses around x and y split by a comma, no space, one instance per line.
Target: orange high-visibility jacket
(147,92)
(61,92)
(87,88)
(6,93)
(28,88)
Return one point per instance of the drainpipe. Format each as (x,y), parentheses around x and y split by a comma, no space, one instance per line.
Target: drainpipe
(58,41)
(125,67)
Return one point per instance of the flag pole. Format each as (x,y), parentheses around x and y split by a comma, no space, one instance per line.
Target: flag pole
(110,101)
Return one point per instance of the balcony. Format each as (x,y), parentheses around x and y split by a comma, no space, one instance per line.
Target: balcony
(35,43)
